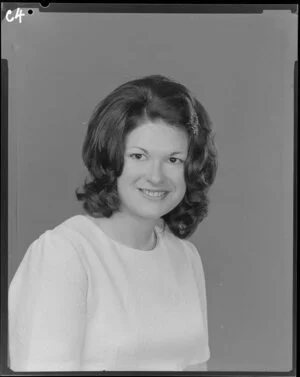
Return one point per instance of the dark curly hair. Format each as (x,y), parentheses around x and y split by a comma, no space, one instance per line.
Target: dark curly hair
(152,97)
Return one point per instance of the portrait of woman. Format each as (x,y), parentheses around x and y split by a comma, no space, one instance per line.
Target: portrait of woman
(121,287)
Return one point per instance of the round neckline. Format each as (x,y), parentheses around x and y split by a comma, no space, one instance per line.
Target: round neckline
(119,244)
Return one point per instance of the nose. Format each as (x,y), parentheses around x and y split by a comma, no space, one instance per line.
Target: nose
(155,173)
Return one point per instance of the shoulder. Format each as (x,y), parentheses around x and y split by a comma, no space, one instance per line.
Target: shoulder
(178,243)
(56,246)
(74,230)
(194,257)
(75,224)
(182,246)
(52,257)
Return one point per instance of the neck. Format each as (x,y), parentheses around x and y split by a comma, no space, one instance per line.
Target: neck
(130,231)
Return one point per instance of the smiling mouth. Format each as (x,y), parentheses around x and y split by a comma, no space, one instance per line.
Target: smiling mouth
(154,194)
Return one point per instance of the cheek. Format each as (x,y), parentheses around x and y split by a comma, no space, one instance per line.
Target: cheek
(129,174)
(181,181)
(177,177)
(132,171)
(181,190)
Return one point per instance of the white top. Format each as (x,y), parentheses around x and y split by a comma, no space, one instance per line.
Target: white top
(82,301)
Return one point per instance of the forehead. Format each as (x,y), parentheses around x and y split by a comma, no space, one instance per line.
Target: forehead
(157,135)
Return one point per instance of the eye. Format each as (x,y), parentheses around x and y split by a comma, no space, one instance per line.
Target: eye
(136,156)
(175,160)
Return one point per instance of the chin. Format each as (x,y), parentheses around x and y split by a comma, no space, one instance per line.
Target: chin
(153,215)
(150,216)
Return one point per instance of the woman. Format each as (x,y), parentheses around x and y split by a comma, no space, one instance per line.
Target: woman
(111,289)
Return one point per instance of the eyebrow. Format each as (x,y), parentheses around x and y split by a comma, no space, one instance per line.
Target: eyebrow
(145,150)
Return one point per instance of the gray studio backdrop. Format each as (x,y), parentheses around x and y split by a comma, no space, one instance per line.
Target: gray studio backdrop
(241,68)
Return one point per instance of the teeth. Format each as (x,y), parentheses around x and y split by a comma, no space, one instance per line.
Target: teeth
(154,193)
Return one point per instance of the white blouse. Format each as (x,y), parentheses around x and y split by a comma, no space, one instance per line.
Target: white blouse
(81,301)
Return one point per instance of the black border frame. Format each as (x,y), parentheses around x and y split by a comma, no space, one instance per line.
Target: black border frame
(95,7)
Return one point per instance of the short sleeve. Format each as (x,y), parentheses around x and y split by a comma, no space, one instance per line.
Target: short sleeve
(201,285)
(47,307)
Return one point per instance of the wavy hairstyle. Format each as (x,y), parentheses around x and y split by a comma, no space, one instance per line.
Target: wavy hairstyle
(152,98)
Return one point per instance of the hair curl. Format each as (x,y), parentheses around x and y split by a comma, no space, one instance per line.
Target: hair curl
(152,97)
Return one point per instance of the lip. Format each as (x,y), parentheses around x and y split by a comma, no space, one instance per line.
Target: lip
(154,197)
(153,190)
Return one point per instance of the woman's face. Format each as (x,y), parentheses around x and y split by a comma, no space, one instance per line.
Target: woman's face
(152,182)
